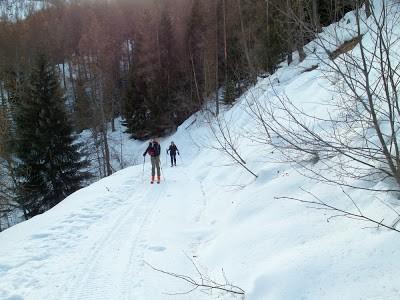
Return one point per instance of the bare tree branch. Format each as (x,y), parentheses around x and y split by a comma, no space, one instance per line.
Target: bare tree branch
(203,282)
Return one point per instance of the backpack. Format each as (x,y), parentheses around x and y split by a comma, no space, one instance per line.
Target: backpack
(157,149)
(154,149)
(151,151)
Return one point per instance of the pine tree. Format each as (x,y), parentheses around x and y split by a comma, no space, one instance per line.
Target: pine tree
(49,165)
(170,78)
(230,94)
(168,59)
(83,113)
(136,110)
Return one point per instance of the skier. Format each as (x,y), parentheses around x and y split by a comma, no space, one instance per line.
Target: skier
(172,152)
(154,151)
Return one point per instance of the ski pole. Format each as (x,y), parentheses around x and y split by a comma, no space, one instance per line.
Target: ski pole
(144,159)
(162,172)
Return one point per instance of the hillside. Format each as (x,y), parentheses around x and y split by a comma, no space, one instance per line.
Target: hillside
(210,216)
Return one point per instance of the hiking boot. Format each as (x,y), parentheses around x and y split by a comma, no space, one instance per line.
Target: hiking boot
(158,179)
(152,180)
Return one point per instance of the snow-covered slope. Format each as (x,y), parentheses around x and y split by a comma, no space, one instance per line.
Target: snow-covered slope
(20,9)
(100,242)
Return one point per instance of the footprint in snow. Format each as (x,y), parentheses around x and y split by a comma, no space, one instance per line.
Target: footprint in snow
(15,297)
(40,236)
(157,248)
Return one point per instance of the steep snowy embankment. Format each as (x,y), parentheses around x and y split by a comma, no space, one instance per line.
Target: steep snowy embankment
(97,244)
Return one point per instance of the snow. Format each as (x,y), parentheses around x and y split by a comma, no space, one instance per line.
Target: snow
(99,243)
(13,10)
(123,150)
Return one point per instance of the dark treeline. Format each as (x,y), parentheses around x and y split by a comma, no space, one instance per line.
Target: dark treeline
(153,63)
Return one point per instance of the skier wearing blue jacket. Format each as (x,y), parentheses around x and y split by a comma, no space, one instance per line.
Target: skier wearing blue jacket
(172,152)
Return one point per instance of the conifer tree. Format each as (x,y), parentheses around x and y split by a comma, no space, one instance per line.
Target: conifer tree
(135,105)
(49,164)
(229,95)
(170,78)
(168,59)
(83,112)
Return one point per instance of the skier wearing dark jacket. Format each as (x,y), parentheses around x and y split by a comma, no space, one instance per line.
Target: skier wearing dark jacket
(172,152)
(154,150)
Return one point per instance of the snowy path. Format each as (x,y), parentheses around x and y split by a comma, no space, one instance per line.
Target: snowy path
(99,253)
(113,265)
(110,265)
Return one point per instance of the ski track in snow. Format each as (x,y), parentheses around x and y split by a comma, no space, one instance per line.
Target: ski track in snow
(99,251)
(111,266)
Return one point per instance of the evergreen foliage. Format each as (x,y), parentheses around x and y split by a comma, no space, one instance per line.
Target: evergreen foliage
(153,101)
(136,111)
(49,165)
(230,95)
(83,112)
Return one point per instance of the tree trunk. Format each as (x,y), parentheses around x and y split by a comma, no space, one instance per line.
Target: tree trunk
(300,39)
(106,150)
(225,44)
(367,8)
(64,79)
(101,170)
(315,16)
(289,32)
(244,42)
(97,98)
(195,78)
(268,31)
(113,125)
(289,57)
(3,98)
(128,53)
(302,54)
(216,59)
(71,76)
(104,129)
